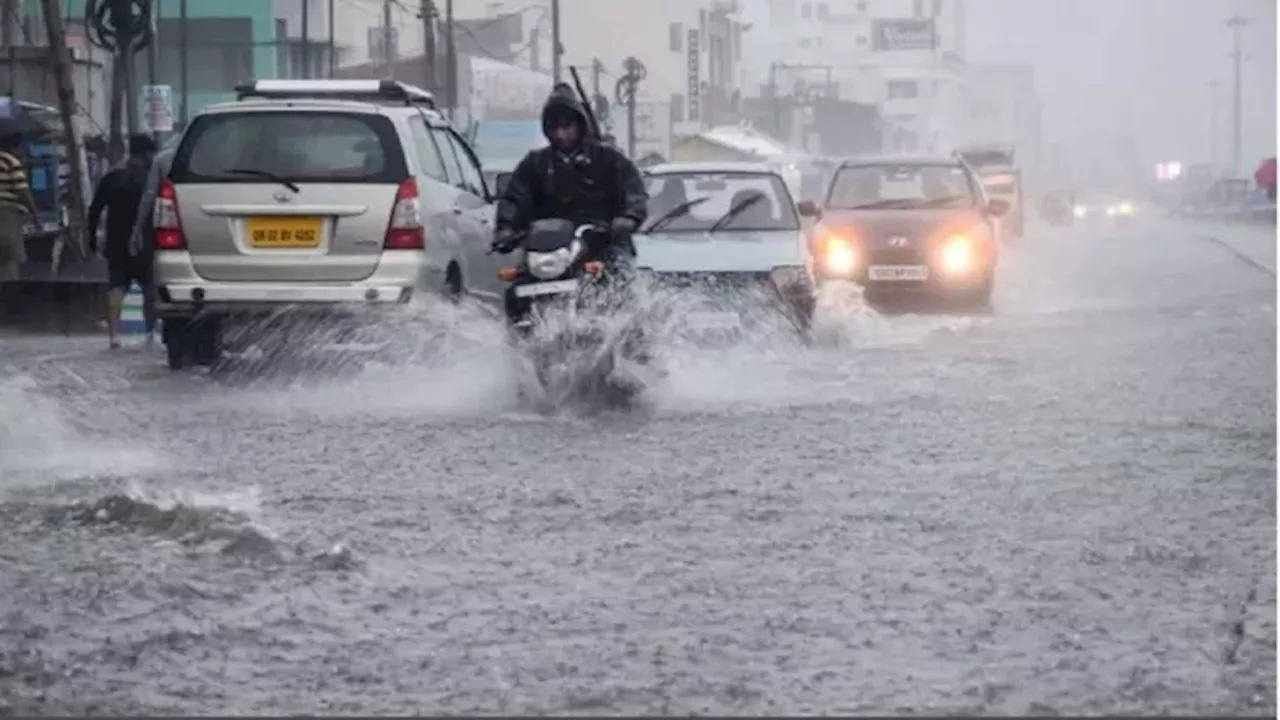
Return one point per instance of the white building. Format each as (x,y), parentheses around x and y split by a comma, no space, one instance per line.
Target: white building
(904,55)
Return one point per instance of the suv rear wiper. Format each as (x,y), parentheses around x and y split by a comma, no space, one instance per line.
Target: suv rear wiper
(264,174)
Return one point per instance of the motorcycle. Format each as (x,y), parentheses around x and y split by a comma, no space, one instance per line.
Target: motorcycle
(560,314)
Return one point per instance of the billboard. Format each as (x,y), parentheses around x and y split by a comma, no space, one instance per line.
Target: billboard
(903,34)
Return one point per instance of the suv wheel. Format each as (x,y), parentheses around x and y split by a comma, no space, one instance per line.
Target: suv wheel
(177,343)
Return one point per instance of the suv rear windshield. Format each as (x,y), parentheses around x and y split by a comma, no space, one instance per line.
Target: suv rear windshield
(298,146)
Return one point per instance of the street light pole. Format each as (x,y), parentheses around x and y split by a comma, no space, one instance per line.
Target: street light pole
(1236,23)
(555,41)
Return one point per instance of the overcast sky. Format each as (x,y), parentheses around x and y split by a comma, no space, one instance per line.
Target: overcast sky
(1138,66)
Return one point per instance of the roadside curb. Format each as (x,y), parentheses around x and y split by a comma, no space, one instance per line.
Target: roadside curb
(1257,251)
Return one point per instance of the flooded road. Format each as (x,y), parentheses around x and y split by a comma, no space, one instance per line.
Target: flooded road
(1067,506)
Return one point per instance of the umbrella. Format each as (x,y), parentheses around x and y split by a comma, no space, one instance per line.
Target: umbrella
(17,120)
(1265,175)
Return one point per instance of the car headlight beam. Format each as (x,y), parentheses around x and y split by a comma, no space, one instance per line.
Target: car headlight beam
(839,257)
(958,255)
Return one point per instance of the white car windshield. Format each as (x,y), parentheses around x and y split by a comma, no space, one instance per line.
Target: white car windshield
(705,201)
(908,186)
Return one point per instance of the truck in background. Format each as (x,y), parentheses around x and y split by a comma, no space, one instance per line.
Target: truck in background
(1001,177)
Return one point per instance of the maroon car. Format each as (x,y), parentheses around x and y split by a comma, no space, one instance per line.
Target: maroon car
(898,224)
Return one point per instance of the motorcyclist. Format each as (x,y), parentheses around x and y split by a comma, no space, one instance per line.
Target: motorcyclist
(576,178)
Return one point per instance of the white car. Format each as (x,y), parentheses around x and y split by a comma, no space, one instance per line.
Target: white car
(725,229)
(321,195)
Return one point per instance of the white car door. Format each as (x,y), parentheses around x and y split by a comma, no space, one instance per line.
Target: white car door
(446,233)
(474,210)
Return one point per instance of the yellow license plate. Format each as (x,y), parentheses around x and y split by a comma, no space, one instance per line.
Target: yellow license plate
(284,232)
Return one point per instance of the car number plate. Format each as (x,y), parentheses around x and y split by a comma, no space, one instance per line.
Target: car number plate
(898,272)
(288,232)
(712,321)
(547,288)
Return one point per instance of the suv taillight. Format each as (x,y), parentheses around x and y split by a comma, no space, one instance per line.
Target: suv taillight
(406,231)
(165,221)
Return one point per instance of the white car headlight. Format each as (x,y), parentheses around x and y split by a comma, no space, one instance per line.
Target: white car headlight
(1080,210)
(549,265)
(788,276)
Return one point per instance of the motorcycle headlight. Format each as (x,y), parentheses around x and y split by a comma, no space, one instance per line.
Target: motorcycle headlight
(1079,210)
(551,265)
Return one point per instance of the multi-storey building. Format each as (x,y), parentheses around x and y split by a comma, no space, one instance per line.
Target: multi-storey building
(904,55)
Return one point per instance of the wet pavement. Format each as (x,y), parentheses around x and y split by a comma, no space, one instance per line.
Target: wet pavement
(1066,506)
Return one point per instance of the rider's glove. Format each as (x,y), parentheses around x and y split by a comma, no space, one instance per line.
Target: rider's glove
(502,241)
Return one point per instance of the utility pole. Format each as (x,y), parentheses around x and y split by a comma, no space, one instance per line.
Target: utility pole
(153,48)
(387,68)
(184,62)
(450,58)
(306,39)
(1237,24)
(429,45)
(61,56)
(1214,110)
(333,40)
(555,41)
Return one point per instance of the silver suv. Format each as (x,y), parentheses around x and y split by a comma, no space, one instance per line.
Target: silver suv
(320,195)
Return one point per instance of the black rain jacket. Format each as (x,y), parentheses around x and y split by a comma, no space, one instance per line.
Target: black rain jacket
(593,183)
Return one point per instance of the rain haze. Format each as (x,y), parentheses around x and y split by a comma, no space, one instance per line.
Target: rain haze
(848,357)
(1157,71)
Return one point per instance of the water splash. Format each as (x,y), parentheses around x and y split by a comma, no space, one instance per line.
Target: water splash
(38,446)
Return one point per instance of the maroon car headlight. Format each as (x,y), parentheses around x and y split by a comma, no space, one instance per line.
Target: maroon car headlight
(838,254)
(959,254)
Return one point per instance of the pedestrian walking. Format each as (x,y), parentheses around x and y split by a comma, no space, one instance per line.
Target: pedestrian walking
(119,193)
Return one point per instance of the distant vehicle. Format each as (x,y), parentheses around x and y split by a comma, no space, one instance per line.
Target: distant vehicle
(995,165)
(1104,207)
(910,224)
(726,230)
(317,195)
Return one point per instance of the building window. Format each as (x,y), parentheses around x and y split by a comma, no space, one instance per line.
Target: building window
(676,37)
(806,11)
(903,89)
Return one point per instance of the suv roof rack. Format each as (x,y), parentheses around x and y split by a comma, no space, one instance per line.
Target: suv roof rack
(390,91)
